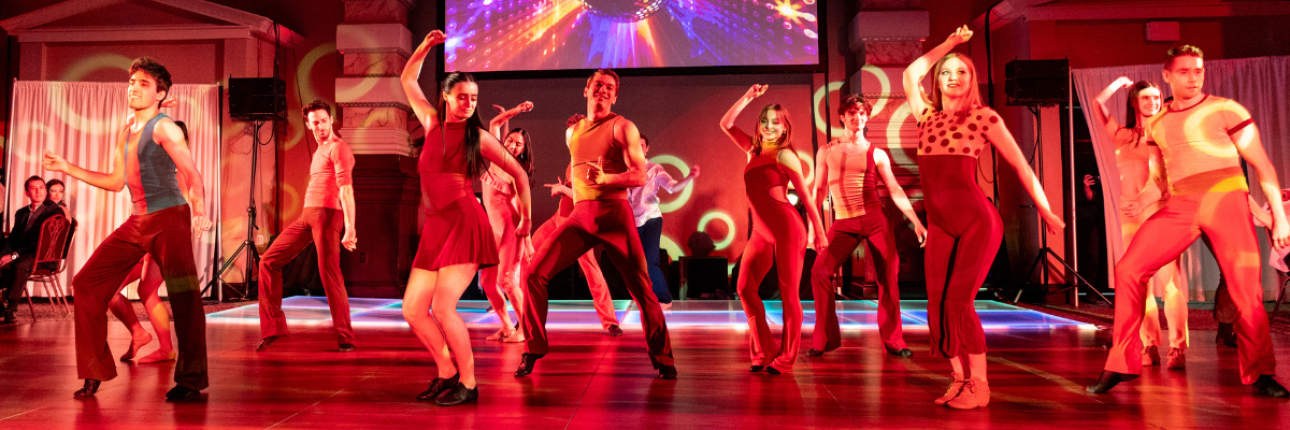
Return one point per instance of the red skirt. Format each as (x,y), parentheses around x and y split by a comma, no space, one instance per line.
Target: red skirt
(458,233)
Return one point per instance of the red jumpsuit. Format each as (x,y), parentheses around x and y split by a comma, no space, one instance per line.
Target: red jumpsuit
(601,216)
(778,240)
(964,229)
(456,230)
(503,216)
(600,297)
(1209,197)
(853,183)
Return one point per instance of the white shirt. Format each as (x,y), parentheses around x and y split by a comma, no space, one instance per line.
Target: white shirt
(644,199)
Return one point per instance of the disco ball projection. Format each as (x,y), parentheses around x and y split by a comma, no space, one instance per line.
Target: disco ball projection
(518,35)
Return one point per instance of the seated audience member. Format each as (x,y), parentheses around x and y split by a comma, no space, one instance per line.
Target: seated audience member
(17,256)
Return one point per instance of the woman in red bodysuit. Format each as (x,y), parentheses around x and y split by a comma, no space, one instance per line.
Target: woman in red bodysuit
(456,239)
(964,229)
(772,166)
(503,214)
(1143,191)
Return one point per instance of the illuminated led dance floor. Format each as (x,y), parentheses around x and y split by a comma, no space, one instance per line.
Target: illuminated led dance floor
(579,314)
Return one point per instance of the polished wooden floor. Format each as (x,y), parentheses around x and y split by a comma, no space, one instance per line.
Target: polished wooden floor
(592,380)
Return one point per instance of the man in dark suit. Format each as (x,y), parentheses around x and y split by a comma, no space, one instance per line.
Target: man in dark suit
(18,255)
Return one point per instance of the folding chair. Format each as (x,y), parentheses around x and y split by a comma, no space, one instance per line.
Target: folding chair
(51,259)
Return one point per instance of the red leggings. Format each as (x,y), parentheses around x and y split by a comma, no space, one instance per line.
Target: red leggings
(322,227)
(604,222)
(496,280)
(880,244)
(963,236)
(785,252)
(165,235)
(600,297)
(1222,217)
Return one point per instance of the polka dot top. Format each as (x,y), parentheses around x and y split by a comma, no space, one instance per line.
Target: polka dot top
(942,133)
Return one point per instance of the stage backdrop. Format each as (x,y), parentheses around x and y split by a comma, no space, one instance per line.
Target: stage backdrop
(80,120)
(1257,83)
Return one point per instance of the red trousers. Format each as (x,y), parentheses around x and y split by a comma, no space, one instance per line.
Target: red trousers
(322,227)
(782,247)
(880,244)
(963,236)
(1222,216)
(165,235)
(596,222)
(600,297)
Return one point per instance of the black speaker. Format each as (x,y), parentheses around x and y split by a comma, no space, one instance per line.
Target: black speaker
(257,98)
(702,276)
(1037,82)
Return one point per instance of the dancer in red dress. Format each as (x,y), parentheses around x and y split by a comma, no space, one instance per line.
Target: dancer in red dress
(964,229)
(456,239)
(849,168)
(151,152)
(1203,139)
(607,160)
(773,165)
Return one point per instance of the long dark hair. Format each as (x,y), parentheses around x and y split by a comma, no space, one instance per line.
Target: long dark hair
(476,164)
(1131,110)
(526,157)
(786,139)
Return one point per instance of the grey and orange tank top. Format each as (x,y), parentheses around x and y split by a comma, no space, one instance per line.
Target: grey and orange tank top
(158,186)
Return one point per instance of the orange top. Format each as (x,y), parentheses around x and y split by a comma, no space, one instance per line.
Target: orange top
(852,180)
(1198,139)
(592,140)
(332,168)
(943,133)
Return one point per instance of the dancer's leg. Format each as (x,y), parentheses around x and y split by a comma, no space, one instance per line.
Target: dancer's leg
(94,285)
(881,247)
(600,296)
(651,233)
(327,226)
(449,285)
(758,257)
(570,240)
(1236,247)
(827,335)
(124,312)
(790,249)
(616,229)
(172,251)
(1175,304)
(289,243)
(417,300)
(149,285)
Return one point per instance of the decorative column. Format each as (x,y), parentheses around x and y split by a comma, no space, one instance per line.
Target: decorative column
(376,43)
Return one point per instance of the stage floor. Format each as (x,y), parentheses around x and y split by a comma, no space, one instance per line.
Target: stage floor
(1038,367)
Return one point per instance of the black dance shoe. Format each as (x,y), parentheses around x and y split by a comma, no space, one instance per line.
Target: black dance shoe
(10,317)
(667,372)
(615,330)
(772,370)
(1269,387)
(346,347)
(756,369)
(266,343)
(181,393)
(92,386)
(458,394)
(1226,335)
(903,352)
(1109,380)
(814,353)
(526,364)
(439,386)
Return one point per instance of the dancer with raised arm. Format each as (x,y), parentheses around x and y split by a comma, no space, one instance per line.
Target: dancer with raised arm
(964,229)
(1143,191)
(328,210)
(151,152)
(649,219)
(456,239)
(849,169)
(1203,139)
(606,161)
(778,234)
(499,282)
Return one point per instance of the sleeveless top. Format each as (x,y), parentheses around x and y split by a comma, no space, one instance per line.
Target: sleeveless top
(590,141)
(853,182)
(943,133)
(442,166)
(761,175)
(158,186)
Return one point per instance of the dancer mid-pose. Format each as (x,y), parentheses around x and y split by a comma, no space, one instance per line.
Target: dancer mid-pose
(849,169)
(1203,139)
(456,239)
(778,235)
(329,208)
(964,229)
(499,282)
(649,219)
(151,152)
(607,160)
(1143,190)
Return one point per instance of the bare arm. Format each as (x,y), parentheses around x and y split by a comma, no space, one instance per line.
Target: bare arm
(898,194)
(673,185)
(1101,113)
(793,167)
(559,188)
(496,124)
(343,164)
(171,138)
(1007,147)
(1249,144)
(412,72)
(913,77)
(633,156)
(1262,217)
(821,176)
(114,180)
(741,138)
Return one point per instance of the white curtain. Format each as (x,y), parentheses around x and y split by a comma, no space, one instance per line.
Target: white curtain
(80,121)
(1257,83)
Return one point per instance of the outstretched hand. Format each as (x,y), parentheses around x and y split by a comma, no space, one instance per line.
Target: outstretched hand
(756,91)
(1122,81)
(526,106)
(557,188)
(435,37)
(961,35)
(694,171)
(53,162)
(1054,222)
